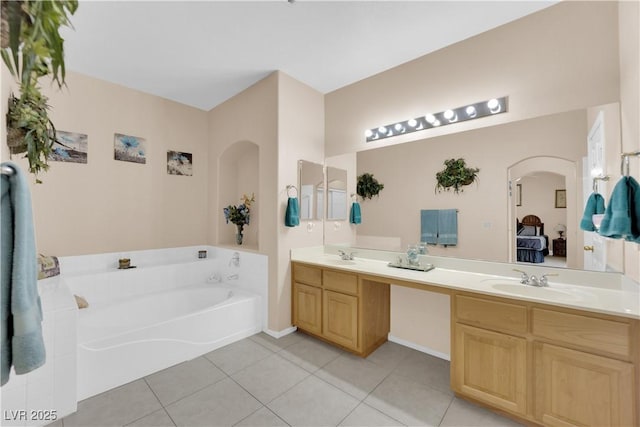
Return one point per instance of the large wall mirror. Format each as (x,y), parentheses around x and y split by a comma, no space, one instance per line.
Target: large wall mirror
(336,194)
(487,210)
(311,185)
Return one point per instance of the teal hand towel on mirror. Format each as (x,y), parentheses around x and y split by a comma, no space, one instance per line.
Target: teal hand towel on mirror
(355,216)
(622,216)
(21,345)
(594,206)
(292,215)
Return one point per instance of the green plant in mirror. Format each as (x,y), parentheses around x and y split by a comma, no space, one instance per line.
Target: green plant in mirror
(368,186)
(33,48)
(455,175)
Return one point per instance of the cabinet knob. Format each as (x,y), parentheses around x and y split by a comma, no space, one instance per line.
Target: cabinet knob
(588,248)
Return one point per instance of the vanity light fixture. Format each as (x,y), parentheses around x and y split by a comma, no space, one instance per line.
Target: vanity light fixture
(468,112)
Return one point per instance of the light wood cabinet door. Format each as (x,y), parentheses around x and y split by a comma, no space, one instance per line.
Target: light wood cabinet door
(340,319)
(491,367)
(580,389)
(307,308)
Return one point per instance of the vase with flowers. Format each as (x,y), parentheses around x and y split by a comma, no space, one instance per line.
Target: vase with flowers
(240,215)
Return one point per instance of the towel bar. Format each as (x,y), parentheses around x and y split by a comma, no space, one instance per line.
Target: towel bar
(599,178)
(7,170)
(624,162)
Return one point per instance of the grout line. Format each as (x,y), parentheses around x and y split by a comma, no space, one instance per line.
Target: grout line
(445,412)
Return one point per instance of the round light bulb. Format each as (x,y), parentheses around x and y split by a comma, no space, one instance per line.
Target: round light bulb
(471,111)
(382,130)
(412,123)
(449,114)
(430,118)
(368,133)
(399,127)
(494,105)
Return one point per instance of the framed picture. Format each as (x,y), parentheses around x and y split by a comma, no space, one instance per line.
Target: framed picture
(518,194)
(179,163)
(69,147)
(561,198)
(129,148)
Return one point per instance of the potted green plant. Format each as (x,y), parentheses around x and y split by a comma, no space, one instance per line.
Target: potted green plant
(455,175)
(32,48)
(367,186)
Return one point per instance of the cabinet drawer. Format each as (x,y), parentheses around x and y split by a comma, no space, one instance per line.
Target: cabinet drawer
(601,335)
(495,315)
(308,275)
(341,282)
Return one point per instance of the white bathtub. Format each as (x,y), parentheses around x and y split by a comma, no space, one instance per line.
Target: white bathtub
(148,319)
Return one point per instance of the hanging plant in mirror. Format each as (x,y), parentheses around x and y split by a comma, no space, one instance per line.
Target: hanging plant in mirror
(455,175)
(368,186)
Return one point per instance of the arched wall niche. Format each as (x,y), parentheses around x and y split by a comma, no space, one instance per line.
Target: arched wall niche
(557,166)
(238,174)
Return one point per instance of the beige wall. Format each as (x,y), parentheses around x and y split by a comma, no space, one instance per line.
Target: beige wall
(559,59)
(629,15)
(408,174)
(108,205)
(300,137)
(284,119)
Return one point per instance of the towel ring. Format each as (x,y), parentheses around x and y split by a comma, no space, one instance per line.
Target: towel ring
(292,187)
(354,197)
(599,178)
(624,162)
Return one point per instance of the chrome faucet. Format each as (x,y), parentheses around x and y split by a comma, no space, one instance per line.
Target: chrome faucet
(346,256)
(232,277)
(524,279)
(235,260)
(532,280)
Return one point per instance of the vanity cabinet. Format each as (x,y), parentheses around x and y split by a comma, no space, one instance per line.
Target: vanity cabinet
(345,309)
(546,364)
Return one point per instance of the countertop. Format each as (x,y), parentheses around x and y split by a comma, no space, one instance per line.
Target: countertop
(613,300)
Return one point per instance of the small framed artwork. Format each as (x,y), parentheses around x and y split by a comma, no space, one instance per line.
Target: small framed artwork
(179,163)
(69,147)
(129,148)
(561,198)
(518,194)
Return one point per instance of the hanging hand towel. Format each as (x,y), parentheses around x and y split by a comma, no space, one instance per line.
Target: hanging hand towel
(448,227)
(429,226)
(622,216)
(355,216)
(292,216)
(21,342)
(594,206)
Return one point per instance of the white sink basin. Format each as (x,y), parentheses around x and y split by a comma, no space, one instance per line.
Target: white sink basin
(339,261)
(533,291)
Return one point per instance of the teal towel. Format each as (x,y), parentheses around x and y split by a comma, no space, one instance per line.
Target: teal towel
(594,206)
(292,215)
(622,216)
(355,216)
(21,342)
(429,226)
(448,227)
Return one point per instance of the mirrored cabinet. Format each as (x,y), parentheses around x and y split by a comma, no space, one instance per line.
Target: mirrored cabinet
(311,186)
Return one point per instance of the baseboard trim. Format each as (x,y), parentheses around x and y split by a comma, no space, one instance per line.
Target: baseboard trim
(282,333)
(420,348)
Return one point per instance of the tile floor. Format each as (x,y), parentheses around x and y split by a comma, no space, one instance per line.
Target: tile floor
(295,380)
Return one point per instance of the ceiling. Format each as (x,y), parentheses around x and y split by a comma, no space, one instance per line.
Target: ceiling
(201,53)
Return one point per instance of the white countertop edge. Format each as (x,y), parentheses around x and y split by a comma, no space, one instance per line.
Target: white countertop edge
(615,297)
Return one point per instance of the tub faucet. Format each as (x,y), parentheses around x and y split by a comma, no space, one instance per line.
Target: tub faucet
(232,277)
(235,260)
